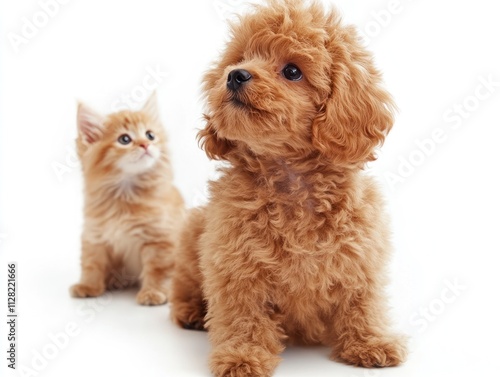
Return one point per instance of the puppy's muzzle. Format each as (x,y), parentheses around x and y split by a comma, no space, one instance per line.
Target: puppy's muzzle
(237,78)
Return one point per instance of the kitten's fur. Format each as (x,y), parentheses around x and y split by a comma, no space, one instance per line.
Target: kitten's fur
(131,205)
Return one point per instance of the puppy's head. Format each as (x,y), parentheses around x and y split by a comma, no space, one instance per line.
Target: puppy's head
(294,81)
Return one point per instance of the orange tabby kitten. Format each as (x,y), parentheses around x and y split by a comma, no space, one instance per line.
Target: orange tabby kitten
(131,205)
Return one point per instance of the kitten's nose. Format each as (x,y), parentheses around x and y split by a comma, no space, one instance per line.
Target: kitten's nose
(145,146)
(236,78)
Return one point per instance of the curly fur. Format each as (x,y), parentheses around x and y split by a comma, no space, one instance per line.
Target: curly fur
(293,244)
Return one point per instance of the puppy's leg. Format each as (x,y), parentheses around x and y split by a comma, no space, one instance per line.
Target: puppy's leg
(360,331)
(157,265)
(188,308)
(95,266)
(246,339)
(359,323)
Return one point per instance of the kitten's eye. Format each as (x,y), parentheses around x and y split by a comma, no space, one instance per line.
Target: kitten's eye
(124,139)
(150,135)
(292,72)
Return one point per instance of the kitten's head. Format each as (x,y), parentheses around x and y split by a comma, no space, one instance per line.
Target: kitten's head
(128,143)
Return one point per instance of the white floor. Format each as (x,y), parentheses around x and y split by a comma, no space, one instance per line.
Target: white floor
(59,336)
(439,169)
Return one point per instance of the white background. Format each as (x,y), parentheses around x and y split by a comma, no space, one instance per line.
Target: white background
(435,56)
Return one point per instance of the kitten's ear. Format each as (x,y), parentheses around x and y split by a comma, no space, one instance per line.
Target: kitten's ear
(90,124)
(151,107)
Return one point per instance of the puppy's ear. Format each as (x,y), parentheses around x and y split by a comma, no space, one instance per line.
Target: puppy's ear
(358,113)
(215,147)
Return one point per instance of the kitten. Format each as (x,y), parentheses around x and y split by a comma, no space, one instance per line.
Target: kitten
(131,205)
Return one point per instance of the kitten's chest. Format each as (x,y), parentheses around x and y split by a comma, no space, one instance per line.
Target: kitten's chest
(124,229)
(122,233)
(124,238)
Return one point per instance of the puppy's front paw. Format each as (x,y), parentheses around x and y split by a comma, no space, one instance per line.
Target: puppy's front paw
(188,315)
(250,361)
(86,290)
(148,296)
(375,353)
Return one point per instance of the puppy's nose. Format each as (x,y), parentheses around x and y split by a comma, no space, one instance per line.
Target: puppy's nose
(236,78)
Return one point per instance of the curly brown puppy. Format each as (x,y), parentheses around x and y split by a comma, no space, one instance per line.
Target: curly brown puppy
(294,241)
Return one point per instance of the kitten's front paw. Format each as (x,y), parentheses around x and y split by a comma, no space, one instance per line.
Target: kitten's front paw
(150,296)
(249,361)
(375,353)
(85,290)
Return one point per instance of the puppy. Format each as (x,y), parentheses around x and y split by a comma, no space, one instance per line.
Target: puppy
(293,244)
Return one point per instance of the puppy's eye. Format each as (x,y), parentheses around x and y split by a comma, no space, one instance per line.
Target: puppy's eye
(292,72)
(124,139)
(150,135)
